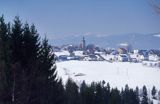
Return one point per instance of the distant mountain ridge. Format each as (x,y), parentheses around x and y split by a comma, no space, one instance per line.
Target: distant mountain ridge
(138,41)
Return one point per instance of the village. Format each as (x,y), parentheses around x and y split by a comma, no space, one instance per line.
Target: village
(124,53)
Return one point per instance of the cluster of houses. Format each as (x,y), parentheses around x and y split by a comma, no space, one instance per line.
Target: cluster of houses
(136,55)
(123,53)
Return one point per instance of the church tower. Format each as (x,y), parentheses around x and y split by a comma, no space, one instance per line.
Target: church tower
(83,44)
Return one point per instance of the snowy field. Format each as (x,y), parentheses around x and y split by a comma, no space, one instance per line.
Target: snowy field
(118,74)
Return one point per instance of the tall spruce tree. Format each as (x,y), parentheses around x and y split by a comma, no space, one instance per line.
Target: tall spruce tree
(159,95)
(5,72)
(125,95)
(129,96)
(51,88)
(137,99)
(17,40)
(90,93)
(2,69)
(144,96)
(83,90)
(100,94)
(19,93)
(72,93)
(33,66)
(154,91)
(107,93)
(115,97)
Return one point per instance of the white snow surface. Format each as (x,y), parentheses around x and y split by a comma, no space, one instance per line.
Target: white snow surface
(62,53)
(118,74)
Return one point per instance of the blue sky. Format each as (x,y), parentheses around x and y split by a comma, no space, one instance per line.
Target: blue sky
(62,18)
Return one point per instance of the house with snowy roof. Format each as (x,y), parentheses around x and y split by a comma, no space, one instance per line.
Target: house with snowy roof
(154,55)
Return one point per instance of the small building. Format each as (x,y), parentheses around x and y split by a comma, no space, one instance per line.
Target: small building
(154,55)
(123,58)
(139,55)
(91,48)
(92,57)
(126,46)
(56,48)
(122,51)
(62,58)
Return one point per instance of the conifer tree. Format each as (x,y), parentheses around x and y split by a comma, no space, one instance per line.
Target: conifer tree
(115,97)
(144,96)
(2,63)
(154,91)
(83,90)
(72,93)
(27,67)
(129,96)
(99,95)
(5,76)
(107,93)
(137,95)
(159,95)
(125,95)
(18,64)
(90,93)
(51,87)
(17,41)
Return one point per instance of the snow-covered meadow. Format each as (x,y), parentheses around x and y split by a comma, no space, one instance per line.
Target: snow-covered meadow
(118,74)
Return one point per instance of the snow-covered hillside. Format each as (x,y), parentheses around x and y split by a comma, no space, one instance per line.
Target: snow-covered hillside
(118,74)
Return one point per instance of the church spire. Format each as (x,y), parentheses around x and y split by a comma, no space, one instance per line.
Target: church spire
(83,44)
